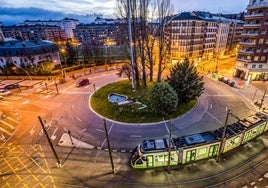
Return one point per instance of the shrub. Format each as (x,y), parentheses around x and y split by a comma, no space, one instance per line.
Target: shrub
(163,98)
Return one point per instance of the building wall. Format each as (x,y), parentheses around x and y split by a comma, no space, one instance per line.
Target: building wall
(252,60)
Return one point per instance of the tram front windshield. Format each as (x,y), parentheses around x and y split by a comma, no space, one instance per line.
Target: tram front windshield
(135,154)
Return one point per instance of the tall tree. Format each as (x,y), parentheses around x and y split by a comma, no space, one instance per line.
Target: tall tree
(186,81)
(164,10)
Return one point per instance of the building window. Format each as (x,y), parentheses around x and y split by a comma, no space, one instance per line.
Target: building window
(260,66)
(256,58)
(253,66)
(261,41)
(263,58)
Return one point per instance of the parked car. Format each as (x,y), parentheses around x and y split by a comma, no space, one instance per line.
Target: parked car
(4,92)
(11,86)
(231,83)
(82,82)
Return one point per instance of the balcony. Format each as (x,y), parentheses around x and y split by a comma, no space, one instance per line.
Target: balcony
(250,34)
(254,16)
(243,60)
(249,43)
(246,52)
(252,25)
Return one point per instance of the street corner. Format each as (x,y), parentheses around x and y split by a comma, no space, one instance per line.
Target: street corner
(69,141)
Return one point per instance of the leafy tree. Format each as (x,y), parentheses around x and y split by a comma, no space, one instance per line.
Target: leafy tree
(163,98)
(186,81)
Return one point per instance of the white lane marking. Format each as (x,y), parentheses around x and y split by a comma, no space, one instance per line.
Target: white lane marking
(53,137)
(32,130)
(83,130)
(100,130)
(135,136)
(76,92)
(103,143)
(214,118)
(25,102)
(210,106)
(78,118)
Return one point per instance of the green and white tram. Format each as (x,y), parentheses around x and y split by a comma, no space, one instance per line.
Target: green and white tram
(190,148)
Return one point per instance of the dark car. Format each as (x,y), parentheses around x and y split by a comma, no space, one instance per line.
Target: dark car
(82,82)
(11,86)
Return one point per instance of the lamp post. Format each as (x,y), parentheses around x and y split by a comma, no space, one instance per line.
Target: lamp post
(130,46)
(22,69)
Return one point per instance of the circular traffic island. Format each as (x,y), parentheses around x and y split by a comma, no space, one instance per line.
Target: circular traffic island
(117,101)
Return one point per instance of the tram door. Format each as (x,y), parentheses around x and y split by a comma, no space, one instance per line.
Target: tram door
(149,161)
(213,150)
(190,155)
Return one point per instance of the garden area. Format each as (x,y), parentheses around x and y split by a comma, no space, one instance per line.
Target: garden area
(134,111)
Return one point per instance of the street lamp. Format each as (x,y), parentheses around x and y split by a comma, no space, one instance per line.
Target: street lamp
(221,147)
(22,69)
(63,52)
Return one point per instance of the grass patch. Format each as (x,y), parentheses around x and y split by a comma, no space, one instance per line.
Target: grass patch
(130,112)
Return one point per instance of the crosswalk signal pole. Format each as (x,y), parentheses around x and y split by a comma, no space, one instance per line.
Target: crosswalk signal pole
(50,143)
(108,143)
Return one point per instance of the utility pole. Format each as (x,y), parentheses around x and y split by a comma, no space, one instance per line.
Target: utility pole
(169,146)
(50,143)
(223,136)
(109,148)
(262,100)
(130,46)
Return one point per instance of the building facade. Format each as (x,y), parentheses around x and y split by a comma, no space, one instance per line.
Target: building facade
(27,52)
(252,60)
(202,36)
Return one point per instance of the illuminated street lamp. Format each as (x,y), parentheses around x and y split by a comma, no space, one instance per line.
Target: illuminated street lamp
(63,52)
(22,70)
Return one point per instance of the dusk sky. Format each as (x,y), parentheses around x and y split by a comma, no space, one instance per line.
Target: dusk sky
(19,10)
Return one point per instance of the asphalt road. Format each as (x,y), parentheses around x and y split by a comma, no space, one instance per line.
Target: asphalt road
(70,110)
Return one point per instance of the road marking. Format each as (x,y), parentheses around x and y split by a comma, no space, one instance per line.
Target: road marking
(84,130)
(100,130)
(77,92)
(103,143)
(214,118)
(9,125)
(78,118)
(25,102)
(135,136)
(53,137)
(32,130)
(210,106)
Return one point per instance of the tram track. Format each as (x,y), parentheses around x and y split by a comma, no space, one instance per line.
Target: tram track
(66,178)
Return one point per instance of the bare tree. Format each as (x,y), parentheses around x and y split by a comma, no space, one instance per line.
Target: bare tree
(164,9)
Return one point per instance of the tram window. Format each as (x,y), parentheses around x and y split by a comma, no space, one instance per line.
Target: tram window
(143,158)
(139,162)
(202,151)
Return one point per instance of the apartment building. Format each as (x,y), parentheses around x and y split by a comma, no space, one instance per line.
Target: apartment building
(66,24)
(202,36)
(252,60)
(34,32)
(27,52)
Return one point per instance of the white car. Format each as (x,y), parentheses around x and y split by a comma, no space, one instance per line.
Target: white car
(4,92)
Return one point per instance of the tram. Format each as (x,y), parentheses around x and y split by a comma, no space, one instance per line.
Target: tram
(186,149)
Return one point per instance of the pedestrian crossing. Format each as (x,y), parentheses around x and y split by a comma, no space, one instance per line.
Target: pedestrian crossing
(9,122)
